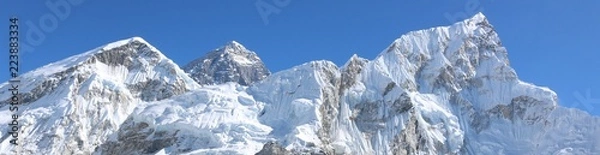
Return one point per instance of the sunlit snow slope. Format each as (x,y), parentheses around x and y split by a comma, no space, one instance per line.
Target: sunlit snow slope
(71,106)
(443,90)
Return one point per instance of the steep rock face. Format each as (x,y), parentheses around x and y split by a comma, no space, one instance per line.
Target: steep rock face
(300,105)
(405,100)
(71,106)
(230,63)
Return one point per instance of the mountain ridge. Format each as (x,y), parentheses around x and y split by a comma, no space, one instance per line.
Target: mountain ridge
(442,90)
(95,89)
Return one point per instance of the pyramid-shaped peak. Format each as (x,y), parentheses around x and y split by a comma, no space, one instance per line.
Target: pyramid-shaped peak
(355,60)
(233,46)
(477,18)
(135,41)
(132,56)
(356,57)
(234,43)
(229,63)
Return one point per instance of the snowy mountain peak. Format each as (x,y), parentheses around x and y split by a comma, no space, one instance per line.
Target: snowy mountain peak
(136,38)
(355,57)
(235,52)
(229,63)
(128,41)
(236,46)
(75,104)
(353,60)
(478,17)
(128,61)
(114,53)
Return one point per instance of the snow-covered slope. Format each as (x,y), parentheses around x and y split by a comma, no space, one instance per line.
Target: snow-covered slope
(443,90)
(71,106)
(450,90)
(230,63)
(300,104)
(219,119)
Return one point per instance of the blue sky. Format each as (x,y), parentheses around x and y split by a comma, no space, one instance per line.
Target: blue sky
(550,43)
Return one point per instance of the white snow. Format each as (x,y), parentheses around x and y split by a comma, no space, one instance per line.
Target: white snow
(84,101)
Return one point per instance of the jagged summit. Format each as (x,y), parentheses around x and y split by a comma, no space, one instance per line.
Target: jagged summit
(469,26)
(229,63)
(123,42)
(236,46)
(233,48)
(354,59)
(470,40)
(478,17)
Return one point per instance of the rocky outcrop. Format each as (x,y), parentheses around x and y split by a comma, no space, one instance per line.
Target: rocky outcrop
(230,63)
(86,95)
(273,148)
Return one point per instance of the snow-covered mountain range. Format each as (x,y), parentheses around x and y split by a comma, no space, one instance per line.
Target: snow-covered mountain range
(443,90)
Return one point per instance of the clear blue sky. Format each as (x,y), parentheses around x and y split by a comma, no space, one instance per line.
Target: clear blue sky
(550,43)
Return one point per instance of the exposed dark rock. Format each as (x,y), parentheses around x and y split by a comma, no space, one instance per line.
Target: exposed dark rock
(350,71)
(518,110)
(273,148)
(231,63)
